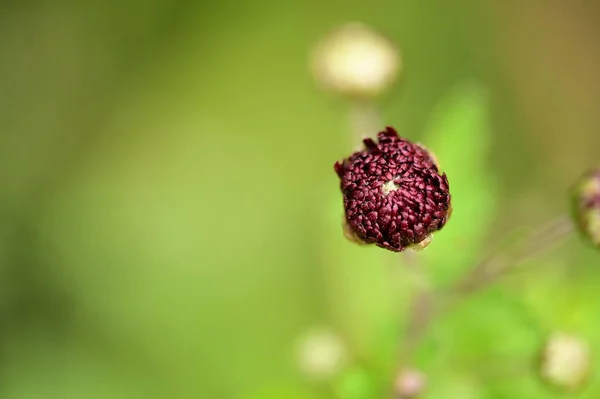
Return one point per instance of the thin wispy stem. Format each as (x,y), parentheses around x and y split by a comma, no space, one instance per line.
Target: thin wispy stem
(502,260)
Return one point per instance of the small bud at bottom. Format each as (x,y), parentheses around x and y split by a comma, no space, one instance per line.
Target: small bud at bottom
(321,354)
(566,361)
(409,384)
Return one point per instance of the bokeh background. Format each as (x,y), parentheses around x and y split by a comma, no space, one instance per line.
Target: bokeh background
(171,219)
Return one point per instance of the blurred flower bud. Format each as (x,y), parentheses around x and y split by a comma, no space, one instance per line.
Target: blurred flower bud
(321,354)
(587,205)
(410,383)
(356,61)
(565,361)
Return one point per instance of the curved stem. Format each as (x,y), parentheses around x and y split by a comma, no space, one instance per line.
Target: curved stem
(499,262)
(420,316)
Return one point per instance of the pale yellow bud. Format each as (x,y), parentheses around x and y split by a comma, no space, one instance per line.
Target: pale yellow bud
(566,361)
(321,354)
(355,61)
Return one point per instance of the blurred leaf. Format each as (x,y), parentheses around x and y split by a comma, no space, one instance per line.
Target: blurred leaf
(285,392)
(355,384)
(448,384)
(492,329)
(459,135)
(524,384)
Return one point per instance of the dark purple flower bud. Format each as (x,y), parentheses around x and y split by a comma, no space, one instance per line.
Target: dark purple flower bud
(394,195)
(587,205)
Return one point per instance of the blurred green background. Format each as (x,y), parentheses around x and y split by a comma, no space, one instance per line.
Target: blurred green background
(171,218)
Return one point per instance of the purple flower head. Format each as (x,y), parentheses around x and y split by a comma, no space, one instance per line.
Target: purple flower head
(394,195)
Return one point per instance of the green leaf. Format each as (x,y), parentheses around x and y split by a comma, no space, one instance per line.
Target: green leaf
(459,135)
(356,383)
(450,384)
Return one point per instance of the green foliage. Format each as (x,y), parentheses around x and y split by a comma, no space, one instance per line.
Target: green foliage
(459,135)
(355,384)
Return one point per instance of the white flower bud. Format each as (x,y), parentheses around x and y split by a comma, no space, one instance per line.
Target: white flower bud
(356,61)
(321,354)
(565,361)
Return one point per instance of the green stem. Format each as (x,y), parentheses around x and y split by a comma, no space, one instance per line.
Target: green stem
(365,121)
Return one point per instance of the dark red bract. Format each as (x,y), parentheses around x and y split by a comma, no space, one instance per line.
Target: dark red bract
(394,196)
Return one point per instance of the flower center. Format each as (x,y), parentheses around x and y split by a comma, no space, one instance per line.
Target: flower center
(389,186)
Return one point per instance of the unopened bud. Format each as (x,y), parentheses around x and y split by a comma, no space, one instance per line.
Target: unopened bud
(393,193)
(355,61)
(565,361)
(321,354)
(409,384)
(587,205)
